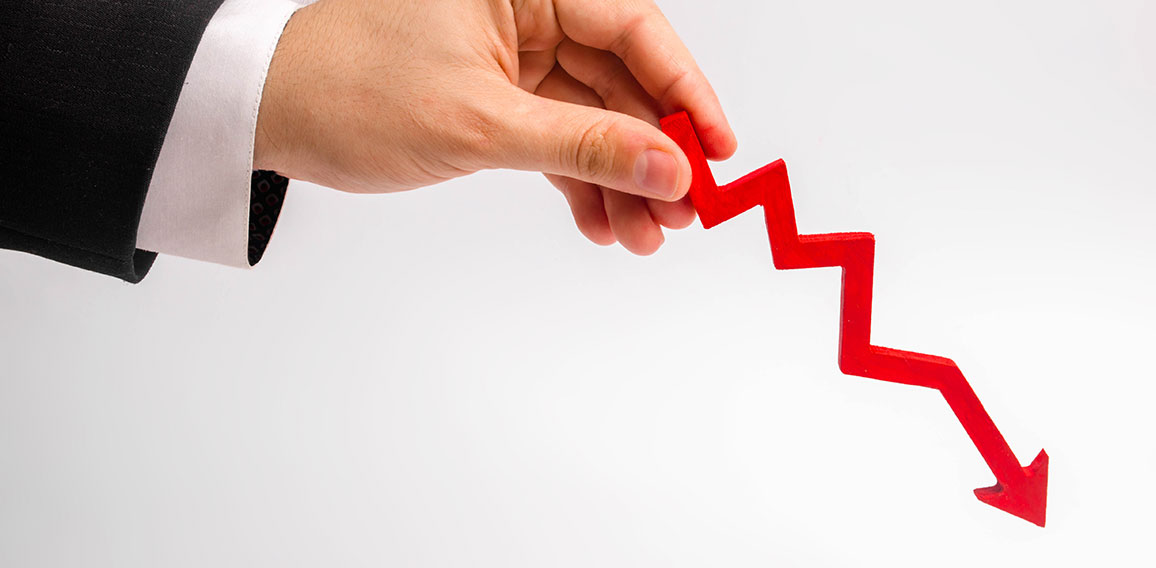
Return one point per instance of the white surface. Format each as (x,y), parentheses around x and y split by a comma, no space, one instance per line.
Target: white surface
(198,201)
(454,378)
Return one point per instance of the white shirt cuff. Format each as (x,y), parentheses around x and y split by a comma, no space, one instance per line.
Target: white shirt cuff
(197,204)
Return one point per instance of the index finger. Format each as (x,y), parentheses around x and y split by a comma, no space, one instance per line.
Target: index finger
(641,36)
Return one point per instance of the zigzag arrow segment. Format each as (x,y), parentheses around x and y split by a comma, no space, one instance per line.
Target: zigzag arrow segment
(1021,491)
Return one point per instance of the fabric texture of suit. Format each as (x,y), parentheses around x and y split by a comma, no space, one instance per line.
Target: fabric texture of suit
(87,92)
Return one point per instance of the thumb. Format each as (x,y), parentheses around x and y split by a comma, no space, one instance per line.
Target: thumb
(602,147)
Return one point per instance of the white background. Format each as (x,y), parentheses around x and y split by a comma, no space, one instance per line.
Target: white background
(453,377)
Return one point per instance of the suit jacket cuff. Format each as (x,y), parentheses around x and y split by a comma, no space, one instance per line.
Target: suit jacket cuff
(87,89)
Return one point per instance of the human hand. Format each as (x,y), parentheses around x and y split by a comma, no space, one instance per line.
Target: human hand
(386,95)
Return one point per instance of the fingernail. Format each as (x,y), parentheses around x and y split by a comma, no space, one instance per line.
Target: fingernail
(656,173)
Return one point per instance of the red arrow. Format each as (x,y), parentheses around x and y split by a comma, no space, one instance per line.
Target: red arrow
(1021,491)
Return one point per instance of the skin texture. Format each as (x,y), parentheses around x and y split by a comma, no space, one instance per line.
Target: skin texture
(375,96)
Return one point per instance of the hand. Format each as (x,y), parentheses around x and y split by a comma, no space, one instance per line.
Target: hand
(388,95)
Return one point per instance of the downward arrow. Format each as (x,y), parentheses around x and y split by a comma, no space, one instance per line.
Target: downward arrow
(1021,491)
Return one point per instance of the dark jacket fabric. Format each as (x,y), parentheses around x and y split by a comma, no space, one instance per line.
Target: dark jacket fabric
(87,90)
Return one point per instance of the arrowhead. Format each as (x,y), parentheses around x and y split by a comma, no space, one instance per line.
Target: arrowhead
(1027,497)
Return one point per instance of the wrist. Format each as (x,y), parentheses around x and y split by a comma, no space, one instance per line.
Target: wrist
(274,140)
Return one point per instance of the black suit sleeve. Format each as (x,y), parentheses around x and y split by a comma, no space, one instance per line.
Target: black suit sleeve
(87,90)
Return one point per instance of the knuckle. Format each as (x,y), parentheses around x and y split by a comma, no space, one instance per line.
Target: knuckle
(635,23)
(470,133)
(593,154)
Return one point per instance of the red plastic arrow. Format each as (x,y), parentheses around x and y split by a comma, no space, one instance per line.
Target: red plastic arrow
(1021,491)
